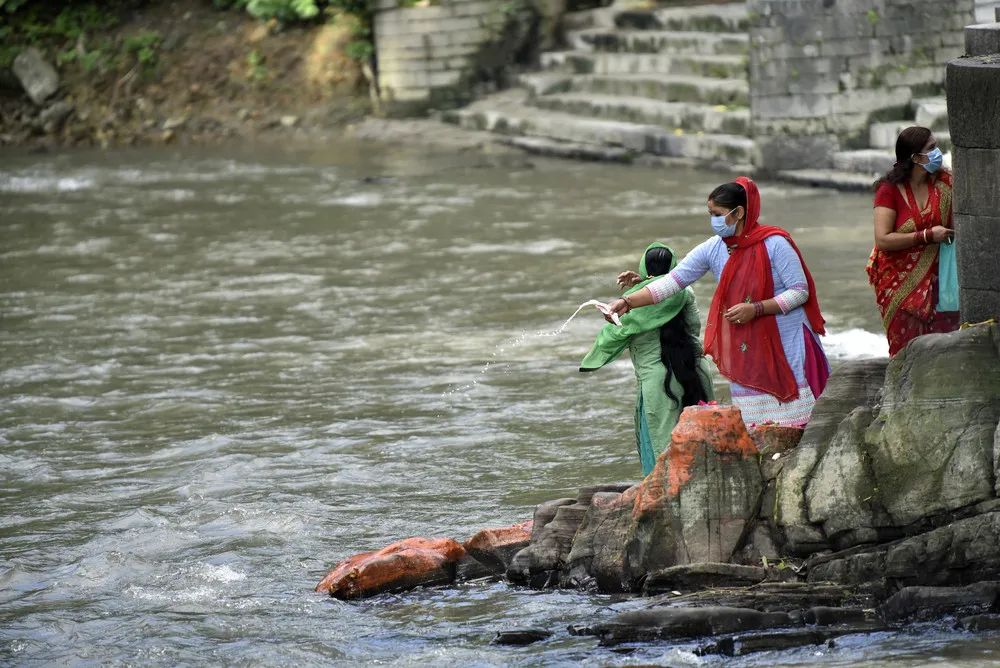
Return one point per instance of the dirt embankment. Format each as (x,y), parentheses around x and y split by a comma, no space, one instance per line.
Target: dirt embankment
(206,76)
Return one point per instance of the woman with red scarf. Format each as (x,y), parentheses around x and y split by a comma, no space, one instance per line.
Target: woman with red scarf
(912,220)
(764,322)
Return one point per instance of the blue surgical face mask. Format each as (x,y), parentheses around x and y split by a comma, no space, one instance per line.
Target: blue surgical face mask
(935,160)
(719,226)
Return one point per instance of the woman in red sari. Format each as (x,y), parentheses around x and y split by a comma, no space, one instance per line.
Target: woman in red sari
(912,218)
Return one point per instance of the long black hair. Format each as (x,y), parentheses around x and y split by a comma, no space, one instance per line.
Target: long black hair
(678,348)
(911,140)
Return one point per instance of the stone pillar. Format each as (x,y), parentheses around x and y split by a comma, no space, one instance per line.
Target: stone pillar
(973,88)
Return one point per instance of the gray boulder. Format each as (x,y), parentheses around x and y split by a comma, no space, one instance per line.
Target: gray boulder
(931,445)
(38,78)
(854,385)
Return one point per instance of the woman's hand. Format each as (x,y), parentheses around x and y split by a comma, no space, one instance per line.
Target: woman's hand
(740,314)
(619,307)
(941,234)
(628,279)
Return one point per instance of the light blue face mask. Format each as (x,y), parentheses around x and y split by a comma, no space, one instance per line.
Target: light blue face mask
(719,226)
(935,159)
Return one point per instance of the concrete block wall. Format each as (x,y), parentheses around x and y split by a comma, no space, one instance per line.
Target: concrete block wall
(973,91)
(822,71)
(424,53)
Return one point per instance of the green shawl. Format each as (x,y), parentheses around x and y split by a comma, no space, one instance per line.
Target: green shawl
(613,339)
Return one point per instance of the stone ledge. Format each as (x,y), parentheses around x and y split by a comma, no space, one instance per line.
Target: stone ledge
(974,102)
(982,39)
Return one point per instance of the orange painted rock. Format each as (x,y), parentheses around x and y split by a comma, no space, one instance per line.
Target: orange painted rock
(404,565)
(694,505)
(773,438)
(494,548)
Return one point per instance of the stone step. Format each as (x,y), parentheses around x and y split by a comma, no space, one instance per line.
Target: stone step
(673,115)
(656,140)
(883,135)
(570,150)
(705,18)
(865,161)
(667,88)
(827,178)
(584,62)
(546,83)
(599,17)
(658,41)
(931,112)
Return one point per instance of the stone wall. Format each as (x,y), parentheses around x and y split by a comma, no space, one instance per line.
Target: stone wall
(431,56)
(974,110)
(822,71)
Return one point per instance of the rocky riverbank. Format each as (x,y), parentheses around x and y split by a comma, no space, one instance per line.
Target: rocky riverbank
(885,510)
(184,73)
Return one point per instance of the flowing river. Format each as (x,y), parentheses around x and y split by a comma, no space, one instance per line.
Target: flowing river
(222,372)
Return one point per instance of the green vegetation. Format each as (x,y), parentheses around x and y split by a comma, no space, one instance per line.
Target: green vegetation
(75,36)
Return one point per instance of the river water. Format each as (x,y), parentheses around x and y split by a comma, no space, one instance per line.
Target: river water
(222,372)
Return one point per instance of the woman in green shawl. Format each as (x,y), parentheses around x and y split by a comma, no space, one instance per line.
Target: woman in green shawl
(663,341)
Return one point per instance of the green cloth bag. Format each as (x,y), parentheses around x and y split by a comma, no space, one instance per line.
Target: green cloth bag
(947,278)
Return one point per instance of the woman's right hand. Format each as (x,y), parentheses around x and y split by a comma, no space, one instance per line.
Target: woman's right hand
(941,234)
(628,279)
(619,307)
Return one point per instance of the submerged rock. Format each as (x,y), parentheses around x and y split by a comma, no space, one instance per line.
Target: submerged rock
(676,622)
(926,603)
(521,636)
(404,565)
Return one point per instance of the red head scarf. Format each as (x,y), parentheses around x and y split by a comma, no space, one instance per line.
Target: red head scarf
(751,354)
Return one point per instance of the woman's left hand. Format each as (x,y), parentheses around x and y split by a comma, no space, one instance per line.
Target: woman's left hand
(740,314)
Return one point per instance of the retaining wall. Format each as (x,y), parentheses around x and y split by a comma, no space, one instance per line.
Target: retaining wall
(822,71)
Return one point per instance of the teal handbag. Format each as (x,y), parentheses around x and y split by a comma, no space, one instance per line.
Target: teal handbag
(947,278)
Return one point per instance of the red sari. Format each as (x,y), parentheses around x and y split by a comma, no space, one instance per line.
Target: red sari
(905,281)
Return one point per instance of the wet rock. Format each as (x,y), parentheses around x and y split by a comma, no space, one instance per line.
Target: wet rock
(403,565)
(967,550)
(596,556)
(781,597)
(855,384)
(742,645)
(521,636)
(52,118)
(541,563)
(700,576)
(675,622)
(289,121)
(495,548)
(468,569)
(926,603)
(828,616)
(38,78)
(979,623)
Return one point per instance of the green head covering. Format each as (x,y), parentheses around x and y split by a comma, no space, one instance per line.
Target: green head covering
(613,339)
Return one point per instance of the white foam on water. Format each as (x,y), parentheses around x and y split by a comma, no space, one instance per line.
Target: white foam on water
(44,184)
(855,344)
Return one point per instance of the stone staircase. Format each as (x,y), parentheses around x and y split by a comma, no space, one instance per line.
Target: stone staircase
(856,168)
(667,82)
